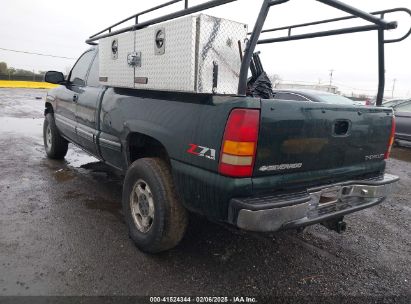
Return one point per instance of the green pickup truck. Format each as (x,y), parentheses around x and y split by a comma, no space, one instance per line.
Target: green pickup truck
(259,164)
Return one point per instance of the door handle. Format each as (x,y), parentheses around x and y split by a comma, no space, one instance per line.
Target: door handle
(75,98)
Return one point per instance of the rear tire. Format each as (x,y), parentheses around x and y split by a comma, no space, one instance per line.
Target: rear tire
(155,217)
(55,145)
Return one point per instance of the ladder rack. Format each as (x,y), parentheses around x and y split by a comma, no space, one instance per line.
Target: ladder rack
(376,24)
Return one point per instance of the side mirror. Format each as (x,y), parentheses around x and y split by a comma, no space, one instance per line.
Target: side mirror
(54,77)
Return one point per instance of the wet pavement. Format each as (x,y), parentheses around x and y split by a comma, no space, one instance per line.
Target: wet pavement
(62,233)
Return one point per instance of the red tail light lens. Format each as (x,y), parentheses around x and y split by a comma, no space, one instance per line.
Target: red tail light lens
(391,140)
(240,143)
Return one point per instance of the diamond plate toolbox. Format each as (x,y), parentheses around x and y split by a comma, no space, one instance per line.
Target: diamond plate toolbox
(197,54)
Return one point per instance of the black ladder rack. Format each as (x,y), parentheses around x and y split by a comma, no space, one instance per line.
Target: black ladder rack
(376,24)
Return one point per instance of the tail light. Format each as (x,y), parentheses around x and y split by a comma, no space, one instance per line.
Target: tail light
(391,140)
(240,143)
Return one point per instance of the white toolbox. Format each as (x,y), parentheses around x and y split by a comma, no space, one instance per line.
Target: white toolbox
(198,54)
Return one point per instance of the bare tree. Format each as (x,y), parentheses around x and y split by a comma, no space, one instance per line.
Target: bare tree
(3,68)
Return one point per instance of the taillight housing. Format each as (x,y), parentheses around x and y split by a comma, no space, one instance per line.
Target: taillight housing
(391,140)
(239,144)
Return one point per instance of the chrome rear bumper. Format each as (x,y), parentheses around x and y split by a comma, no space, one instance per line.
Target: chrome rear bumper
(318,204)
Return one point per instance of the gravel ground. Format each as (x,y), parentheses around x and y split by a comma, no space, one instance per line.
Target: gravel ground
(62,233)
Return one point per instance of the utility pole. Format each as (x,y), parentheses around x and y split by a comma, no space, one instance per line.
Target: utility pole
(393,87)
(331,79)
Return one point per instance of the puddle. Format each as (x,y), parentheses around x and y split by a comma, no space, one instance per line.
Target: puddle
(401,153)
(63,175)
(95,203)
(32,127)
(102,204)
(52,164)
(22,102)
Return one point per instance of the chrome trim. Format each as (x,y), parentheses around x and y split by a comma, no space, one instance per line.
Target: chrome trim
(326,201)
(270,219)
(85,134)
(142,206)
(383,179)
(109,144)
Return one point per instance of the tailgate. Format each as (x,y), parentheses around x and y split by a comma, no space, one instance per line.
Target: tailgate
(307,136)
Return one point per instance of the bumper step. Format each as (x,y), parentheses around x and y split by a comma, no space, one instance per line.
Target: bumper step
(314,205)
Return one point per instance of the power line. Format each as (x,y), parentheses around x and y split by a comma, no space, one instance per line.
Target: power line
(38,54)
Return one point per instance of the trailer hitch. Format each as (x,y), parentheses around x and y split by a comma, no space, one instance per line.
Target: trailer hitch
(337,225)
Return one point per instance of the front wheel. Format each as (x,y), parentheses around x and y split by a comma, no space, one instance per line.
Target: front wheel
(56,146)
(154,215)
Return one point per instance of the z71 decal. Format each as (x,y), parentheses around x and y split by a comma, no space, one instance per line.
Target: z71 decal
(201,151)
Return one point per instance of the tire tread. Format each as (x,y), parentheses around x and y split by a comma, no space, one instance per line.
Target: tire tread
(173,225)
(59,145)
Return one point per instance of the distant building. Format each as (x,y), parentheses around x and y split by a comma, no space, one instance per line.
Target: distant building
(318,87)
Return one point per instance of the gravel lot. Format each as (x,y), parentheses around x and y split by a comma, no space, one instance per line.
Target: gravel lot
(62,233)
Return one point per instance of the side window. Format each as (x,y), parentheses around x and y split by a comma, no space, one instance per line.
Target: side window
(406,107)
(93,75)
(79,71)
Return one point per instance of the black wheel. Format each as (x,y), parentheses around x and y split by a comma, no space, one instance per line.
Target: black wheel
(55,145)
(155,217)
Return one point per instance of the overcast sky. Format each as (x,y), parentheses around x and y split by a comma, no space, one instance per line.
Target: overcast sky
(61,27)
